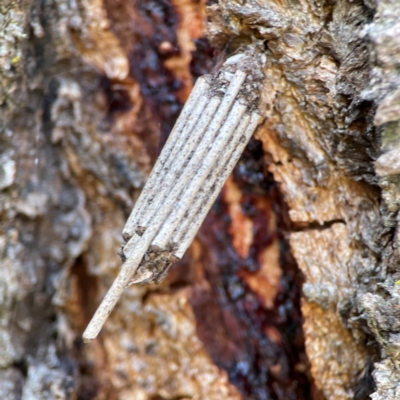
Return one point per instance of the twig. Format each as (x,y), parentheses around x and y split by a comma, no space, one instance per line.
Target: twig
(155,197)
(209,186)
(194,220)
(196,102)
(213,152)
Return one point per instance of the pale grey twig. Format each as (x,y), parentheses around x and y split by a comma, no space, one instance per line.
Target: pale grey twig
(177,162)
(209,187)
(193,185)
(153,197)
(140,246)
(197,219)
(171,190)
(198,94)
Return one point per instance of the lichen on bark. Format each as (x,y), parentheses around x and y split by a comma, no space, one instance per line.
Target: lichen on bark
(381,305)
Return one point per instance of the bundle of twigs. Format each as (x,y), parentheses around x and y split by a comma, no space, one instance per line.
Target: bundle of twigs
(208,138)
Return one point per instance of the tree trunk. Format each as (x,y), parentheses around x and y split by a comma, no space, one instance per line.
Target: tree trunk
(291,288)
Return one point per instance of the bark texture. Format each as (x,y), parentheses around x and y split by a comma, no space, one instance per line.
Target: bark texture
(89,91)
(382,305)
(322,144)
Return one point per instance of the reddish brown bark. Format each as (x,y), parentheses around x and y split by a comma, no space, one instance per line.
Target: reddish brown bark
(89,92)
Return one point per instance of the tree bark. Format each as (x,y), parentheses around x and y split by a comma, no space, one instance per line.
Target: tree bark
(290,290)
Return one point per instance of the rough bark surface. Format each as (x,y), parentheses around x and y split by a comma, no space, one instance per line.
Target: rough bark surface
(322,144)
(89,91)
(89,88)
(382,305)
